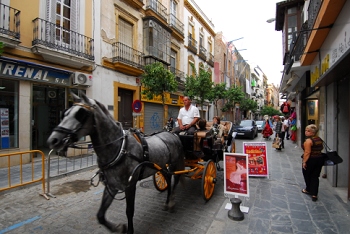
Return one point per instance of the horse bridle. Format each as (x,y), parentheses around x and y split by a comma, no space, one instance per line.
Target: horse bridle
(72,134)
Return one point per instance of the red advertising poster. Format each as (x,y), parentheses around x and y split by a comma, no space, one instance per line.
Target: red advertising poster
(236,179)
(257,158)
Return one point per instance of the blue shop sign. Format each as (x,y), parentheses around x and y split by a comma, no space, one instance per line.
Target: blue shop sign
(27,71)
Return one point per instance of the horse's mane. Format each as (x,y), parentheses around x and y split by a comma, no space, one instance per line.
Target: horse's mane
(105,111)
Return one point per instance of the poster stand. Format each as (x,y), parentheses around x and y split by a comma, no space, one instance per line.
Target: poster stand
(236,182)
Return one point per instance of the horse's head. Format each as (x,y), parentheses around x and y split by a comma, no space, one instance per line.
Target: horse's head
(77,122)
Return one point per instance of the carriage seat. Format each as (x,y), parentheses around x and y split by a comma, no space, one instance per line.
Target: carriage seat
(198,136)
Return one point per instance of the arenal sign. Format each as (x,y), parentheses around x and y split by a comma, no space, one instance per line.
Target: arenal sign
(25,71)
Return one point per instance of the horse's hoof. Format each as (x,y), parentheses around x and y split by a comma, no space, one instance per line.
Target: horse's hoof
(120,228)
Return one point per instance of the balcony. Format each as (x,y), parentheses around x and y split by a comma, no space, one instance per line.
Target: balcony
(137,4)
(156,9)
(59,45)
(210,59)
(9,26)
(202,53)
(192,45)
(126,59)
(158,53)
(177,26)
(180,78)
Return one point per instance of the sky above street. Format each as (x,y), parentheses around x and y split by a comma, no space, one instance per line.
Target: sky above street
(261,44)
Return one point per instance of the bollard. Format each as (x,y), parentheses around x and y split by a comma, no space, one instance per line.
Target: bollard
(235,213)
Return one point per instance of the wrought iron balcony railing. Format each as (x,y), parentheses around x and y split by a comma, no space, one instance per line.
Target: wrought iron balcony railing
(9,21)
(157,53)
(157,7)
(176,24)
(178,74)
(192,45)
(58,38)
(202,53)
(210,60)
(126,54)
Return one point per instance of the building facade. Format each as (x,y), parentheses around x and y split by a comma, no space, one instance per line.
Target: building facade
(316,73)
(48,50)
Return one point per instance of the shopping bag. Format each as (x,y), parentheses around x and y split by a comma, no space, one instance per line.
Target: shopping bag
(276,142)
(331,157)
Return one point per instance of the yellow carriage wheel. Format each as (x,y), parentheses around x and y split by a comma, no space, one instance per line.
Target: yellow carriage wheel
(208,180)
(159,181)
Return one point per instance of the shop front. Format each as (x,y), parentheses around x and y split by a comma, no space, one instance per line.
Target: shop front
(155,114)
(32,99)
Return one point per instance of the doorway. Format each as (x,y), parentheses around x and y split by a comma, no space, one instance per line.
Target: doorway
(125,99)
(48,103)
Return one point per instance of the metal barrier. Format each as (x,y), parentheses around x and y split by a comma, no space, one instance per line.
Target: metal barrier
(82,158)
(24,175)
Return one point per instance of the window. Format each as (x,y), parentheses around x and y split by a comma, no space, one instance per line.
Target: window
(200,40)
(191,66)
(63,13)
(9,113)
(173,7)
(292,19)
(63,21)
(173,55)
(125,32)
(191,31)
(156,41)
(209,47)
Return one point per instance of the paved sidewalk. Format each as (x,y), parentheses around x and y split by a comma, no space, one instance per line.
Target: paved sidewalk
(276,205)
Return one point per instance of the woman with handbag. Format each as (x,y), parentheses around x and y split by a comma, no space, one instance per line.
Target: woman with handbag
(312,161)
(279,130)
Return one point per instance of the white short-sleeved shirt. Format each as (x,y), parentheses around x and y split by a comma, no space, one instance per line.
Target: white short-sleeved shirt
(286,122)
(187,116)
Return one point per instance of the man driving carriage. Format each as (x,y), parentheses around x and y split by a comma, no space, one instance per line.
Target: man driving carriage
(187,118)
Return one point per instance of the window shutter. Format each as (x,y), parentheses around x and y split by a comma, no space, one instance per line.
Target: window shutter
(74,16)
(125,32)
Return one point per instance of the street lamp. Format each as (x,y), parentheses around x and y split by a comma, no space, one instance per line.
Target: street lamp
(271,20)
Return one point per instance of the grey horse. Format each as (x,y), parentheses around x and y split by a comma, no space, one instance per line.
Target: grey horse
(123,157)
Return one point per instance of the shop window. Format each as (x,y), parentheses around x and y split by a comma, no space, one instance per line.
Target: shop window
(9,113)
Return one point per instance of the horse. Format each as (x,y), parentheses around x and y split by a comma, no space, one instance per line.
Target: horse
(123,157)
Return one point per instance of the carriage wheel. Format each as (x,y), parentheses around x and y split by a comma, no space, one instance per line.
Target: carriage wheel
(159,181)
(208,180)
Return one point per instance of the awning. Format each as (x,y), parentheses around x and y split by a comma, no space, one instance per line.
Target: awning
(314,95)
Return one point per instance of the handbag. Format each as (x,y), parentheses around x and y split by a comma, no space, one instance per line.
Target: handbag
(276,142)
(331,157)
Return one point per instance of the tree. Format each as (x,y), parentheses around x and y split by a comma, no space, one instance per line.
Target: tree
(270,111)
(156,81)
(218,92)
(233,95)
(248,104)
(199,87)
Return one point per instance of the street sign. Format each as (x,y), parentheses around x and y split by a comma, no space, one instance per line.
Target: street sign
(136,114)
(137,106)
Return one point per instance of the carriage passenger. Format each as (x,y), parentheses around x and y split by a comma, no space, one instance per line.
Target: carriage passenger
(188,117)
(218,130)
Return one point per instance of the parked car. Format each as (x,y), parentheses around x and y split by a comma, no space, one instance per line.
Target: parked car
(247,128)
(259,124)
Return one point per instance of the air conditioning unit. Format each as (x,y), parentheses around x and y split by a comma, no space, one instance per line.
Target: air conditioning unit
(82,79)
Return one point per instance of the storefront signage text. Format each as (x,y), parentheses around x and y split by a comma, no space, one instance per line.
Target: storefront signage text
(12,70)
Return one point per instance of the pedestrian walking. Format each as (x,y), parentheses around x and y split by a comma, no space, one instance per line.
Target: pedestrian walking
(279,131)
(312,161)
(286,123)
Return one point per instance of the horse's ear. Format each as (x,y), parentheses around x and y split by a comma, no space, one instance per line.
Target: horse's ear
(84,97)
(75,97)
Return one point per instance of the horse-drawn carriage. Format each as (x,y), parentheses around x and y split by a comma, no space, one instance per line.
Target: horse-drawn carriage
(125,157)
(203,152)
